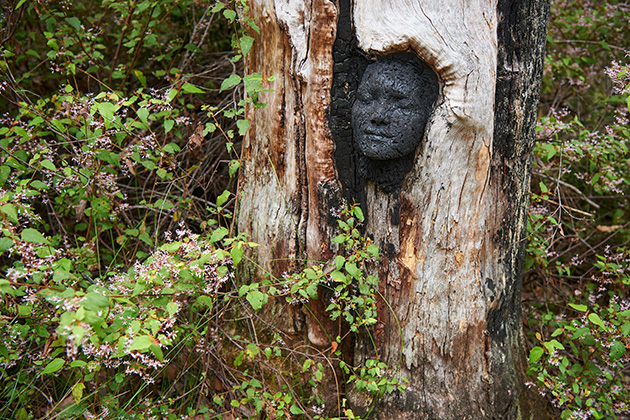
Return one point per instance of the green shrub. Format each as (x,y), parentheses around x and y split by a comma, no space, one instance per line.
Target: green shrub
(120,295)
(577,280)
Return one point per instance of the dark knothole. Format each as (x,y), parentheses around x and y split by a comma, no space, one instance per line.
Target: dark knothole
(355,169)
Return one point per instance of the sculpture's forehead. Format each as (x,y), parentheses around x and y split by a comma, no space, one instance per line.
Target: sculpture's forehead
(391,65)
(396,71)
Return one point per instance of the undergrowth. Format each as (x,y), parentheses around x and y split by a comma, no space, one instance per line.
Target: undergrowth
(121,126)
(576,286)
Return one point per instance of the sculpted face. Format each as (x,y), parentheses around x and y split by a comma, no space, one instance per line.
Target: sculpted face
(390,110)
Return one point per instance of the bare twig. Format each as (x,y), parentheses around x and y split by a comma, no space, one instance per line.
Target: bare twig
(569,186)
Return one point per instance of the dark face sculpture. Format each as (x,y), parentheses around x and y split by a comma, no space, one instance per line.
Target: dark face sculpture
(391,109)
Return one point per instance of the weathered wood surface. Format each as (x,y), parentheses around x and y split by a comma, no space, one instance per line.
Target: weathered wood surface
(288,178)
(453,247)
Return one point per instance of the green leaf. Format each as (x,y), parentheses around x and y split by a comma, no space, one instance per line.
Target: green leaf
(35,122)
(204,301)
(256,298)
(5,171)
(234,165)
(107,110)
(358,213)
(74,22)
(172,308)
(171,94)
(223,198)
(143,114)
(141,343)
(171,148)
(253,25)
(246,44)
(243,126)
(373,250)
(253,82)
(5,243)
(33,236)
(188,88)
(242,291)
(39,185)
(353,270)
(48,165)
(231,81)
(557,332)
(295,409)
(163,204)
(339,261)
(552,345)
(338,277)
(252,350)
(595,319)
(229,15)
(581,308)
(9,210)
(595,178)
(237,254)
(78,332)
(53,366)
(95,302)
(617,350)
(5,287)
(535,354)
(157,351)
(168,125)
(550,150)
(141,77)
(144,237)
(209,128)
(135,326)
(77,391)
(218,234)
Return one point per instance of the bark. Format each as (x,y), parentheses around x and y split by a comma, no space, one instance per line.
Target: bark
(453,238)
(288,178)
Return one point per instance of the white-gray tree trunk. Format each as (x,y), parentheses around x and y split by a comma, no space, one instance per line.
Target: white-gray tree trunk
(453,249)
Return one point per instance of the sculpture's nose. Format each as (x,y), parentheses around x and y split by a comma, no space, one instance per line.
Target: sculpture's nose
(379,119)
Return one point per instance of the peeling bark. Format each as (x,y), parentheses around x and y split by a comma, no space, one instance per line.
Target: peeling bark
(452,239)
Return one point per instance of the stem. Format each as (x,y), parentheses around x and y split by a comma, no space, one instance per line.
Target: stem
(120,41)
(138,46)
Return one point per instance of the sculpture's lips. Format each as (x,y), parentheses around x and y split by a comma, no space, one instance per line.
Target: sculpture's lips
(376,134)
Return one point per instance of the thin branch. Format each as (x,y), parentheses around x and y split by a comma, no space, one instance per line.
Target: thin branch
(586,41)
(569,186)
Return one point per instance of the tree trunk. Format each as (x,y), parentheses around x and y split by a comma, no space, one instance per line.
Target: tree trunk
(452,234)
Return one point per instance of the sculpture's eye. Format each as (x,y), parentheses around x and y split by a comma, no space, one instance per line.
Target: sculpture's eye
(400,99)
(364,96)
(405,102)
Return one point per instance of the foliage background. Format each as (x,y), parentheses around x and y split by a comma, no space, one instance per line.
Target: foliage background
(576,284)
(120,129)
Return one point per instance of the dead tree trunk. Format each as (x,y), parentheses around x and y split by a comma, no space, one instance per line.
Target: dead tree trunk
(452,233)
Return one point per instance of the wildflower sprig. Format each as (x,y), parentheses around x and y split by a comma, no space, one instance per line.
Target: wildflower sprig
(352,291)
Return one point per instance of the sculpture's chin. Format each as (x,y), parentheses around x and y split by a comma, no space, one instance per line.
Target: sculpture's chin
(379,154)
(380,147)
(376,156)
(377,147)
